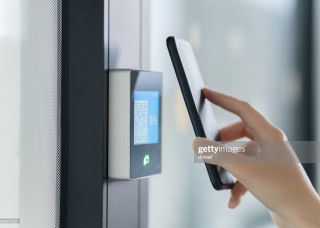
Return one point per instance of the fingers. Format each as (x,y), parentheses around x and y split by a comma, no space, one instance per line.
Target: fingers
(235,131)
(232,132)
(233,162)
(251,148)
(237,191)
(252,118)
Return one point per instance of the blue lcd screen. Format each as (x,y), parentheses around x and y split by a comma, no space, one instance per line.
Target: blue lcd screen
(146,117)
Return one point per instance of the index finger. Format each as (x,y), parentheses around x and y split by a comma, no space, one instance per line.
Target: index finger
(252,118)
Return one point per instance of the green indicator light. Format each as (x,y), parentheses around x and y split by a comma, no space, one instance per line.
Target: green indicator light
(146,159)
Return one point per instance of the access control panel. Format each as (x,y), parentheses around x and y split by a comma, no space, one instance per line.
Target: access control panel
(134,124)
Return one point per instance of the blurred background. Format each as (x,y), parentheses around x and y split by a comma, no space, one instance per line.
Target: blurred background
(264,52)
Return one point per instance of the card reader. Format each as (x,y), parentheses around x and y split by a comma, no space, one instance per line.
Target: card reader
(134,124)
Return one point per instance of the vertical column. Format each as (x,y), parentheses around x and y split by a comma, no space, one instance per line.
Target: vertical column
(124,34)
(145,34)
(82,113)
(124,52)
(316,84)
(128,32)
(145,65)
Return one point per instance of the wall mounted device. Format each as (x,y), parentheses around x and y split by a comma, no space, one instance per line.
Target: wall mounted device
(134,124)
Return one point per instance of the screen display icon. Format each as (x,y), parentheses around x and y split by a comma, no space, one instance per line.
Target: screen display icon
(146,159)
(146,117)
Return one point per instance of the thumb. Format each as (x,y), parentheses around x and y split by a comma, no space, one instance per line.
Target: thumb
(217,153)
(199,144)
(207,150)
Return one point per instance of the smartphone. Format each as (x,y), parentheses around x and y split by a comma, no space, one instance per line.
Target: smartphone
(199,109)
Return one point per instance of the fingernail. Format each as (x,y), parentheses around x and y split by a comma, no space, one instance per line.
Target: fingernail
(230,204)
(197,139)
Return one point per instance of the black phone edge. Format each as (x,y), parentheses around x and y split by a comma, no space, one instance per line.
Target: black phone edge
(194,116)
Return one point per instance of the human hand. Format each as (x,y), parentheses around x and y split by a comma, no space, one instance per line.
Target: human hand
(283,188)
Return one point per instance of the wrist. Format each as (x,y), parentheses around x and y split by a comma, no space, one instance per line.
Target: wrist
(306,212)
